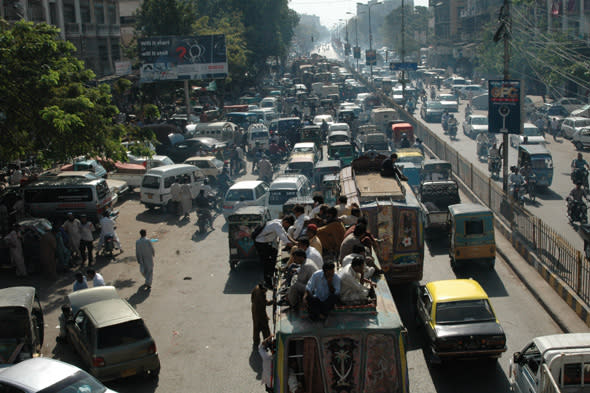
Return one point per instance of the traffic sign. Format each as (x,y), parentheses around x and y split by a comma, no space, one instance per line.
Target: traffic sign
(356,52)
(371,57)
(403,66)
(504,111)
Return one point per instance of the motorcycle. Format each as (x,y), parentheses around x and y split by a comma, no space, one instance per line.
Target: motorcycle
(453,131)
(108,245)
(216,201)
(204,220)
(580,176)
(518,191)
(495,166)
(482,150)
(432,93)
(577,211)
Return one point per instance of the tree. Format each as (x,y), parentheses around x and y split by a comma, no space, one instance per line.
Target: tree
(49,109)
(416,23)
(166,17)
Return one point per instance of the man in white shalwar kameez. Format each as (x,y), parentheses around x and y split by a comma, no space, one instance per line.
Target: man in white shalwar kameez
(144,252)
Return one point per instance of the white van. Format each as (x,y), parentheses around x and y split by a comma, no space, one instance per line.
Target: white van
(339,127)
(258,134)
(223,131)
(265,115)
(245,193)
(284,188)
(269,102)
(156,183)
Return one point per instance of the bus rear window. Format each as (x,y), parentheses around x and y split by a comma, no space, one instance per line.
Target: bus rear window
(473,227)
(150,181)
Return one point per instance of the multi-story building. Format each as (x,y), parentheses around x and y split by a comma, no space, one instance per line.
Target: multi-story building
(91,25)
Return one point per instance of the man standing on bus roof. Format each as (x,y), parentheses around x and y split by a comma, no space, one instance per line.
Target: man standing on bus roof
(322,292)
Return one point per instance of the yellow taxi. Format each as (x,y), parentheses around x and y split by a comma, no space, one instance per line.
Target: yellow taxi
(459,321)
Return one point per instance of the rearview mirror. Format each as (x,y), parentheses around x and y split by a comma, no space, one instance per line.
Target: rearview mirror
(517,358)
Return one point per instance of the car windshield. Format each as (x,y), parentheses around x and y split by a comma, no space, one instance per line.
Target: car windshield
(447,97)
(80,382)
(556,111)
(464,311)
(259,135)
(150,181)
(414,159)
(121,334)
(532,132)
(480,121)
(279,197)
(377,146)
(303,150)
(236,195)
(166,161)
(345,151)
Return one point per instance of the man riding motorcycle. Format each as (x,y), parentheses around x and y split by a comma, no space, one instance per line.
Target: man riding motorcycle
(516,181)
(494,159)
(452,125)
(107,228)
(265,169)
(580,171)
(483,144)
(203,206)
(575,204)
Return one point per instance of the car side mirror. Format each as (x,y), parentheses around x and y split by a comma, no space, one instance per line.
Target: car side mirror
(517,358)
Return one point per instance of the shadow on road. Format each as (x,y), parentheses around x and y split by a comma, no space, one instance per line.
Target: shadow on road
(548,194)
(488,279)
(243,278)
(437,245)
(255,362)
(404,295)
(139,296)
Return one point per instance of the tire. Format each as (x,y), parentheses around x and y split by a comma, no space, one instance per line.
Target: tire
(492,264)
(155,374)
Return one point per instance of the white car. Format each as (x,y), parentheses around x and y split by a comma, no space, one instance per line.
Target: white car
(449,102)
(581,139)
(475,124)
(572,124)
(48,375)
(532,134)
(319,118)
(470,91)
(570,103)
(245,193)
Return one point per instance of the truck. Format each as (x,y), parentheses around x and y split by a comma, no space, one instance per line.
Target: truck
(436,193)
(373,141)
(558,363)
(328,89)
(394,215)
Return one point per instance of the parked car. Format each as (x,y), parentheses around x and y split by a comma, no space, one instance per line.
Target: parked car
(553,111)
(209,165)
(582,112)
(459,321)
(470,91)
(533,136)
(475,124)
(109,335)
(245,193)
(191,147)
(581,138)
(572,124)
(449,102)
(480,102)
(570,103)
(432,111)
(48,376)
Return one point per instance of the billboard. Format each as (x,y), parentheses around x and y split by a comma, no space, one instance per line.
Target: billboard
(180,58)
(504,113)
(356,52)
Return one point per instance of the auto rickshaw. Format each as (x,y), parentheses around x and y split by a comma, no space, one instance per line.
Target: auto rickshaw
(471,234)
(436,170)
(21,324)
(411,154)
(342,151)
(412,172)
(329,188)
(326,167)
(312,134)
(541,162)
(398,131)
(241,224)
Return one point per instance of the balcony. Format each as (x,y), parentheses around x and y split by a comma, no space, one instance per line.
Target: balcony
(89,29)
(72,29)
(115,30)
(102,30)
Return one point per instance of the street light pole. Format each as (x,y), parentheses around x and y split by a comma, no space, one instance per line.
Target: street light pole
(370,32)
(403,53)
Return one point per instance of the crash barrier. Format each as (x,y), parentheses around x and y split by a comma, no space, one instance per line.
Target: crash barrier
(557,256)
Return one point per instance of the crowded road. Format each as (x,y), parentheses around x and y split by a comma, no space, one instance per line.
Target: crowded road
(199,311)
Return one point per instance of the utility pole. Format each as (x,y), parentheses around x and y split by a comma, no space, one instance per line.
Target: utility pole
(403,52)
(356,39)
(507,32)
(370,38)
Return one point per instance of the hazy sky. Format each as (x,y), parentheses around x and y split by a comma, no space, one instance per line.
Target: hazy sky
(330,11)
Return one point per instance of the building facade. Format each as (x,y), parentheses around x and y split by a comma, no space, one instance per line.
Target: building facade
(91,25)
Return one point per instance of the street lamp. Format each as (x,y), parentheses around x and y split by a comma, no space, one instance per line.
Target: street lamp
(369,5)
(356,38)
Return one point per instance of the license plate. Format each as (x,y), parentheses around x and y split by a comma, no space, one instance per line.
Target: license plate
(128,373)
(150,196)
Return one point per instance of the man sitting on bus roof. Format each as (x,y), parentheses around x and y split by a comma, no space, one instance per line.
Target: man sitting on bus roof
(322,292)
(389,169)
(352,278)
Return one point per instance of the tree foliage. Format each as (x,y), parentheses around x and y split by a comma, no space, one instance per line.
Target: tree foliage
(49,110)
(416,23)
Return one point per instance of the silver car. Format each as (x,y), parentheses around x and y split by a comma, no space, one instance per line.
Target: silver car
(48,376)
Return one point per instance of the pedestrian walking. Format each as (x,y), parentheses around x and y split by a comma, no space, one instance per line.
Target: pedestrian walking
(186,199)
(86,229)
(259,316)
(47,253)
(144,252)
(15,245)
(72,228)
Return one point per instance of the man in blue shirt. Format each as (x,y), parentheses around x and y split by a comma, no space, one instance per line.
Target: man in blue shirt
(80,282)
(322,291)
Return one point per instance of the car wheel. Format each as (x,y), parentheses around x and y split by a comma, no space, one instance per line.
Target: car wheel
(155,373)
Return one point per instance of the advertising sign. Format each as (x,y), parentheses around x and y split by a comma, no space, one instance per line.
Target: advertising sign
(504,113)
(122,67)
(346,49)
(356,52)
(371,57)
(180,58)
(403,66)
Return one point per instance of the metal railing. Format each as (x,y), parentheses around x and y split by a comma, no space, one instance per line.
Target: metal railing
(557,254)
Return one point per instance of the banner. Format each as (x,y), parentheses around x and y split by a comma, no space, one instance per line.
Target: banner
(181,58)
(504,111)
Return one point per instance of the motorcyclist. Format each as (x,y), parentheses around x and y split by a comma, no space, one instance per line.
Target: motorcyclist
(324,128)
(468,110)
(579,163)
(223,181)
(410,106)
(578,195)
(494,152)
(405,142)
(515,179)
(452,124)
(107,228)
(203,206)
(483,143)
(418,145)
(432,92)
(265,169)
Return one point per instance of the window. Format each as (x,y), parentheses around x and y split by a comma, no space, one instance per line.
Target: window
(150,181)
(303,366)
(111,13)
(260,191)
(69,13)
(236,195)
(4,388)
(464,311)
(99,12)
(474,227)
(85,11)
(279,197)
(122,334)
(78,382)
